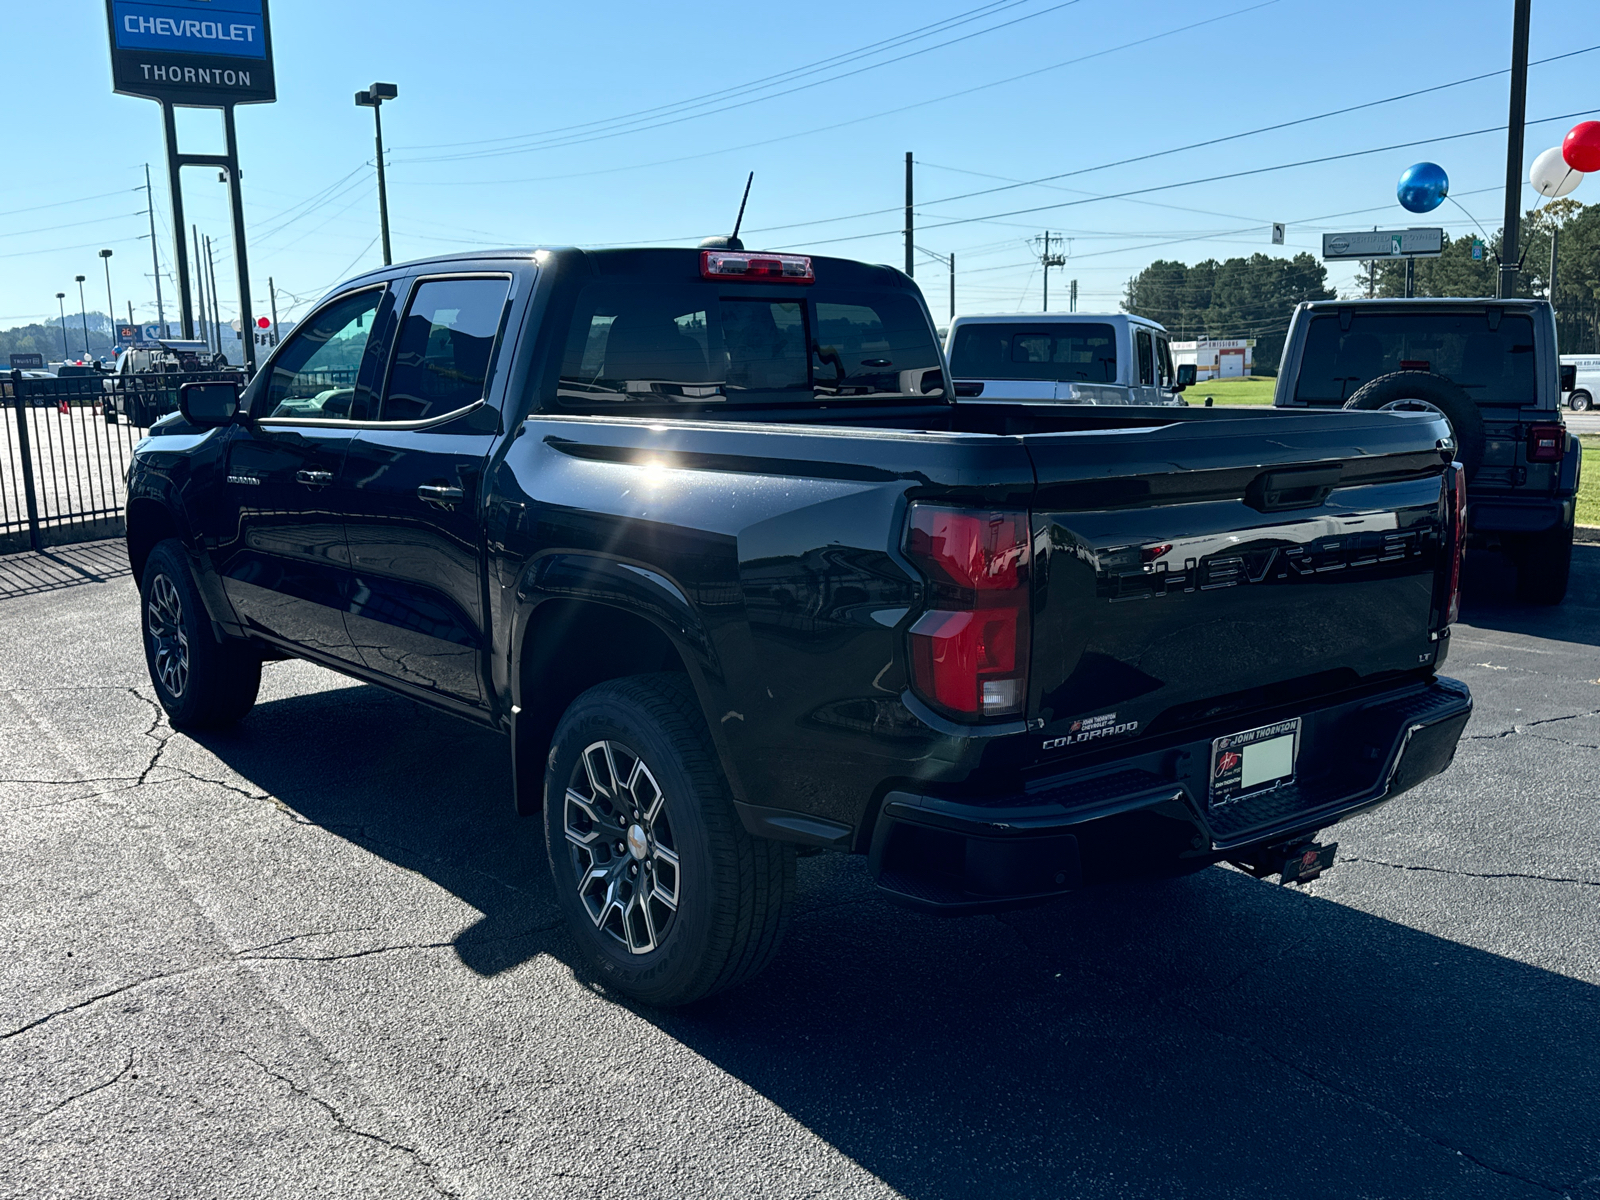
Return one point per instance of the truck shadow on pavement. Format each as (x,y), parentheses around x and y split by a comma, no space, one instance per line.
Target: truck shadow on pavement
(1213,1035)
(1489,601)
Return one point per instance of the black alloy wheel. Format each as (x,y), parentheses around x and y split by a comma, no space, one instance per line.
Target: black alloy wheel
(669,898)
(201,682)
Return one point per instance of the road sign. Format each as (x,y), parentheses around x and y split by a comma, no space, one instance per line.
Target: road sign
(1277,234)
(1477,250)
(202,53)
(27,362)
(1384,243)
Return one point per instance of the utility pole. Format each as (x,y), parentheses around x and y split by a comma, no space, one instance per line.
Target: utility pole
(272,292)
(1555,235)
(911,266)
(189,331)
(952,285)
(1073,307)
(130,315)
(211,287)
(1048,260)
(1372,278)
(61,303)
(1515,121)
(1411,276)
(155,260)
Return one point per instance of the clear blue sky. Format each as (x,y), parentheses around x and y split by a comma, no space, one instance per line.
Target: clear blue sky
(473,72)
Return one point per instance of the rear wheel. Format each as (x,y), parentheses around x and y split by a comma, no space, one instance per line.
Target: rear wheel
(668,896)
(1580,402)
(201,683)
(1544,565)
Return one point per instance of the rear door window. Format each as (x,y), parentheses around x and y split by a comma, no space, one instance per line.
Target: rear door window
(700,344)
(445,347)
(1491,364)
(1079,353)
(1147,360)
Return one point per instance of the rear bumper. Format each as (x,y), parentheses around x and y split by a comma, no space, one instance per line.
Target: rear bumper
(1150,815)
(1512,514)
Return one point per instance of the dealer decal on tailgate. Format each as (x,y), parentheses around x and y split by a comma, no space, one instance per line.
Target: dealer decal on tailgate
(1091,729)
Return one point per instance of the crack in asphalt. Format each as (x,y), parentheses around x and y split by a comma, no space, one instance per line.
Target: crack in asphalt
(1525,725)
(1378,862)
(127,1067)
(1344,1093)
(429,1169)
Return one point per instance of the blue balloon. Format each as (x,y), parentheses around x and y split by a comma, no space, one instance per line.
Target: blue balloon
(1423,187)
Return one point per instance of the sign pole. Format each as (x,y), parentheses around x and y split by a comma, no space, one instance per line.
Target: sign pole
(241,262)
(1411,276)
(180,242)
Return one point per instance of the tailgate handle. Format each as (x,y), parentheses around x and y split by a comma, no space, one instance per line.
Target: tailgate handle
(1275,491)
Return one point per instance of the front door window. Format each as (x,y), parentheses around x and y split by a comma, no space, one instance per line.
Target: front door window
(314,376)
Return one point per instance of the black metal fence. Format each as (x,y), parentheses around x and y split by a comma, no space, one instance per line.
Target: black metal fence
(65,445)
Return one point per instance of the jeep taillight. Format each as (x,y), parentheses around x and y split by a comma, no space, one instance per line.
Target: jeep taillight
(1458,539)
(1546,443)
(969,650)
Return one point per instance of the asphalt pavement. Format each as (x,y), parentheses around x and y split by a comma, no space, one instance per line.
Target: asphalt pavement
(320,956)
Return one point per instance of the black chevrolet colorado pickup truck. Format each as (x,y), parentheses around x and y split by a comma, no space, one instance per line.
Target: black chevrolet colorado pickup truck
(1491,368)
(706,534)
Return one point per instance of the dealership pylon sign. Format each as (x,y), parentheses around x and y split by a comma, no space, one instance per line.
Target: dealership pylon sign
(208,53)
(196,54)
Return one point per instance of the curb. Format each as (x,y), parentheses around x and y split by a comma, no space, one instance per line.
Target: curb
(1586,533)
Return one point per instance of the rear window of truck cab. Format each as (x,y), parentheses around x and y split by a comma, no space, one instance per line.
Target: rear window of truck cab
(1494,363)
(644,340)
(1076,353)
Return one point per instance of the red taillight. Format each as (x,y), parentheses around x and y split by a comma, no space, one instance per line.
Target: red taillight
(1546,443)
(740,264)
(969,651)
(1458,540)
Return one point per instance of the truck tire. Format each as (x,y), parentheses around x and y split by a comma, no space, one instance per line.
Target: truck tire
(1580,402)
(1415,390)
(1544,564)
(201,682)
(667,895)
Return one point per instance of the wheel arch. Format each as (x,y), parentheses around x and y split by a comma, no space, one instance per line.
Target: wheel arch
(584,620)
(149,521)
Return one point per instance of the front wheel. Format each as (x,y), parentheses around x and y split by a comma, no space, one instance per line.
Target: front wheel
(1544,565)
(668,896)
(201,682)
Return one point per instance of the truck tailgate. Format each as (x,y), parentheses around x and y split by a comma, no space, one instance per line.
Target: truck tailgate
(1201,572)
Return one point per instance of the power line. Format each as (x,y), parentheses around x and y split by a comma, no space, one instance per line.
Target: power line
(739,89)
(854,120)
(1162,187)
(561,143)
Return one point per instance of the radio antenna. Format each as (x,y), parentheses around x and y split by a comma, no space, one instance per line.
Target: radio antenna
(742,202)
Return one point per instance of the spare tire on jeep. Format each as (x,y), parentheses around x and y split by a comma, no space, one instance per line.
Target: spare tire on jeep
(1422,390)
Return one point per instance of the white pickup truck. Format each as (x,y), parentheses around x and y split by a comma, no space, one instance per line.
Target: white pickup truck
(1064,358)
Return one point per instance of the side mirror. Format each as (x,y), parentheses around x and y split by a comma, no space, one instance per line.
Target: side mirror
(209,405)
(1186,374)
(1569,376)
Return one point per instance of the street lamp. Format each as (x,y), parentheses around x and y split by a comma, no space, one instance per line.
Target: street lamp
(111,308)
(61,303)
(83,310)
(373,98)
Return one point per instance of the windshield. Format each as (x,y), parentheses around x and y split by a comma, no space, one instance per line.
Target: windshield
(1077,353)
(704,343)
(1493,365)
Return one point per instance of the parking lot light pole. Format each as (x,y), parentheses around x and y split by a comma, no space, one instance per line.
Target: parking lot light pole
(61,303)
(373,98)
(111,307)
(83,310)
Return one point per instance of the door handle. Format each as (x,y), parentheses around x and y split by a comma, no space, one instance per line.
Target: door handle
(437,493)
(314,478)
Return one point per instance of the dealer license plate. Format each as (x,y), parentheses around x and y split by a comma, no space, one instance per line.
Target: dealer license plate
(1256,760)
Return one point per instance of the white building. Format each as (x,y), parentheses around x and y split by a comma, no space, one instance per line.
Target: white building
(1217,358)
